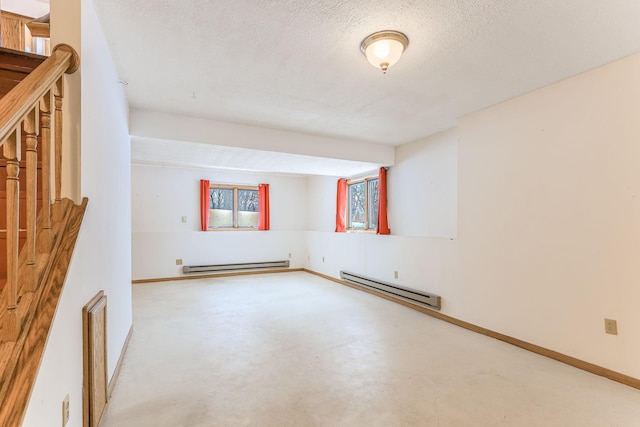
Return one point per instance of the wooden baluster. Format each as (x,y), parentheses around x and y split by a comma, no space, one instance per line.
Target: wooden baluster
(45,239)
(30,125)
(58,93)
(11,321)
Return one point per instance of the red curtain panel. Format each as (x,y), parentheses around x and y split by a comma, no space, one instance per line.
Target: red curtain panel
(341,211)
(383,223)
(263,195)
(204,204)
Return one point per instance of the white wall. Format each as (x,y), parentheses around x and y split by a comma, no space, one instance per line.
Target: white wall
(422,216)
(423,198)
(66,28)
(550,216)
(102,257)
(161,196)
(548,206)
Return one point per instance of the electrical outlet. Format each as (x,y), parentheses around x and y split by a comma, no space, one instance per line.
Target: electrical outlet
(322,259)
(184,219)
(395,275)
(289,254)
(65,411)
(179,261)
(611,326)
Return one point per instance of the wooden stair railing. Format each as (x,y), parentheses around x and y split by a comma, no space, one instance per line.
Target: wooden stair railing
(27,108)
(35,272)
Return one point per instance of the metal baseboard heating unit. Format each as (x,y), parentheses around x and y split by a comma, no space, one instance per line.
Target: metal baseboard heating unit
(217,268)
(411,295)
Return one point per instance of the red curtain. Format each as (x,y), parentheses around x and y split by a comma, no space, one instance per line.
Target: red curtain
(341,209)
(383,223)
(204,204)
(263,196)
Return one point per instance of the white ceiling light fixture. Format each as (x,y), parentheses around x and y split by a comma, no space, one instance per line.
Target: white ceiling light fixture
(384,48)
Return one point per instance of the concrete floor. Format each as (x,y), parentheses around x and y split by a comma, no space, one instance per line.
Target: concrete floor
(293,349)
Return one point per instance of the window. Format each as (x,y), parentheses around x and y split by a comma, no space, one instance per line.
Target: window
(233,207)
(362,203)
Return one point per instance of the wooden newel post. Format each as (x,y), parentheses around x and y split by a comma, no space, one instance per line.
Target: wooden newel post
(46,238)
(11,151)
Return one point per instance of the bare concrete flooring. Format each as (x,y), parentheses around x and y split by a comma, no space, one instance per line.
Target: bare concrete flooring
(293,349)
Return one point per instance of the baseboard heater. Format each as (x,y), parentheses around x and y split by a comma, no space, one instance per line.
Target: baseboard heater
(216,268)
(433,301)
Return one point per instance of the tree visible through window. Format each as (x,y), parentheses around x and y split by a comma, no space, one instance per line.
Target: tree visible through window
(233,207)
(373,203)
(362,197)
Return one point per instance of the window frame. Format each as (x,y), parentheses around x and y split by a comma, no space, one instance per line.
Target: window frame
(363,179)
(236,188)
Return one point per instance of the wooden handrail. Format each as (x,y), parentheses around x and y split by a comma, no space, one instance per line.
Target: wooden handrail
(17,103)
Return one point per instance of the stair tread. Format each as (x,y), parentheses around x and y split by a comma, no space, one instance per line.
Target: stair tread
(22,59)
(15,66)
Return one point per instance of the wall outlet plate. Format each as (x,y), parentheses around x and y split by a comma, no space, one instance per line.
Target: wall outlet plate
(179,261)
(611,326)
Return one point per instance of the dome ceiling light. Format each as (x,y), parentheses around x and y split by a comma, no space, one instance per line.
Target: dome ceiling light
(384,48)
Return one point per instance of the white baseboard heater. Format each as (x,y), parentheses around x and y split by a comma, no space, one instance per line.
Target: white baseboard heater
(412,295)
(216,268)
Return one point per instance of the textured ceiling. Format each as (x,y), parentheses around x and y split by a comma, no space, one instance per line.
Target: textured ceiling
(296,64)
